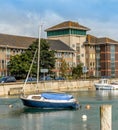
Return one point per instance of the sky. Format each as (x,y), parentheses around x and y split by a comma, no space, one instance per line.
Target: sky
(23,17)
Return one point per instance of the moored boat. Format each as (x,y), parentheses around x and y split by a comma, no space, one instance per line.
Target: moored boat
(50,100)
(104,84)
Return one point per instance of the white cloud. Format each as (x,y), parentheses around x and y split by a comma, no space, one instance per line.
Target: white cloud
(51,19)
(101,28)
(8,29)
(20,23)
(27,24)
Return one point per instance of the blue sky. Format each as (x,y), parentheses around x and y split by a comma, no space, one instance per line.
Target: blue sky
(22,17)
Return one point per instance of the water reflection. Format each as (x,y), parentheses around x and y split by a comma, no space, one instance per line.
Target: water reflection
(47,118)
(27,110)
(110,94)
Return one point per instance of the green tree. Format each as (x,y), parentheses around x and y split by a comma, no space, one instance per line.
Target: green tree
(77,71)
(64,68)
(19,64)
(47,56)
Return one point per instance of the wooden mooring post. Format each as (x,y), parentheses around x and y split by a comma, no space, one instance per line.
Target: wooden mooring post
(106,117)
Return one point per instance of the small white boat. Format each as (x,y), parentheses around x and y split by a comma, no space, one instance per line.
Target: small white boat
(104,84)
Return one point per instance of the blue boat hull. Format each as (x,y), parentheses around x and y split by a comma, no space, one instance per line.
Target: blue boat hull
(50,105)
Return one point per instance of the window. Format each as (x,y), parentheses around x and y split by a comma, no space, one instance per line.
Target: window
(90,56)
(3,64)
(82,46)
(97,49)
(93,56)
(58,32)
(90,64)
(58,55)
(78,47)
(78,32)
(70,55)
(7,53)
(73,45)
(97,56)
(78,57)
(66,54)
(3,49)
(93,63)
(82,55)
(112,50)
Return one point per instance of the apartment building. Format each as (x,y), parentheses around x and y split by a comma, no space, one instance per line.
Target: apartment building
(106,57)
(74,35)
(72,43)
(90,54)
(101,56)
(11,45)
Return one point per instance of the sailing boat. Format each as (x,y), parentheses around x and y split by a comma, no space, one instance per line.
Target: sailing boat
(48,100)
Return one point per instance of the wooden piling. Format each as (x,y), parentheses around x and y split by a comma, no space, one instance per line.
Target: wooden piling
(106,117)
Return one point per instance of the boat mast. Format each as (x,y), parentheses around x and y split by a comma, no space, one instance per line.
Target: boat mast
(38,64)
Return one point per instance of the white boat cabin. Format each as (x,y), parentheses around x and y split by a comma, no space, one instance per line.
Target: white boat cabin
(103,81)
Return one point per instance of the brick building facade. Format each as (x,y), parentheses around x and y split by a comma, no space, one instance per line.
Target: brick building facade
(72,43)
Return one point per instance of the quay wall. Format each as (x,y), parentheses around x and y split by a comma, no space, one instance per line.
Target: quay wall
(66,85)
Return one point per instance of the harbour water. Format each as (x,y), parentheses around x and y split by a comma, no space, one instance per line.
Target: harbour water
(19,117)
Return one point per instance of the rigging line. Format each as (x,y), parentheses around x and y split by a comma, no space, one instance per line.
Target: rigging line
(30,69)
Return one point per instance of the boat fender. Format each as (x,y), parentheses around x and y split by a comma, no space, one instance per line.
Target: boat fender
(84,117)
(88,107)
(10,106)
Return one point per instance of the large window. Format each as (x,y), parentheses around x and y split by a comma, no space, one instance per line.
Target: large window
(78,32)
(97,49)
(112,50)
(66,31)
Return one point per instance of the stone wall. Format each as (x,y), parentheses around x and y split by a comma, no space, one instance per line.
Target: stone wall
(16,88)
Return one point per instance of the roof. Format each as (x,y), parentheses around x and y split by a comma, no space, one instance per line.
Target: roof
(90,39)
(66,25)
(59,45)
(14,41)
(106,40)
